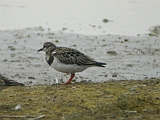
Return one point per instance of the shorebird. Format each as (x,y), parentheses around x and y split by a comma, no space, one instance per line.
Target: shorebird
(5,82)
(68,60)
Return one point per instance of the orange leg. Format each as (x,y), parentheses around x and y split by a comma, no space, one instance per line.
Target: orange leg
(70,79)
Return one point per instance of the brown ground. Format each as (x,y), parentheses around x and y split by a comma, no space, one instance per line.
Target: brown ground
(113,100)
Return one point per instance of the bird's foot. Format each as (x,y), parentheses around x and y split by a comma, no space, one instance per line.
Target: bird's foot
(70,79)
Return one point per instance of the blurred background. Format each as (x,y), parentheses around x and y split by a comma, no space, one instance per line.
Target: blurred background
(90,17)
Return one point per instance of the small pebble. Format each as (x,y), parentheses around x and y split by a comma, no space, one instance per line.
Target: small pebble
(18,107)
(31,77)
(130,112)
(112,52)
(114,75)
(105,75)
(11,47)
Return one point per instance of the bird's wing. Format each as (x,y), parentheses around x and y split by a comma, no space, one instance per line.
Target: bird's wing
(72,56)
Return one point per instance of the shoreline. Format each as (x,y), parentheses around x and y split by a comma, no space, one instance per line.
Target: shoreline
(127,57)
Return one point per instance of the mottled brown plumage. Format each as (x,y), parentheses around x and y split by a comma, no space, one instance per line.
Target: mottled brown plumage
(68,60)
(72,56)
(5,82)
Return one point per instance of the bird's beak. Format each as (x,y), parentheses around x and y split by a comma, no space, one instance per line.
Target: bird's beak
(40,50)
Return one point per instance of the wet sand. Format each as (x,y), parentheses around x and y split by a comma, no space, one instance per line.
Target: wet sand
(127,57)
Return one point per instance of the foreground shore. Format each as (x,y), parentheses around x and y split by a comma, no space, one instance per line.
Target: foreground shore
(120,100)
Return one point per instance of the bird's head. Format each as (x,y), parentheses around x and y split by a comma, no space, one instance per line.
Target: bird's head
(47,46)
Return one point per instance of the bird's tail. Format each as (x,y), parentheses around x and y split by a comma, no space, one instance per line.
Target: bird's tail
(100,64)
(7,82)
(12,83)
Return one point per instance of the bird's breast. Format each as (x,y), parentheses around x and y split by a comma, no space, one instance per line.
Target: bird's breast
(67,68)
(49,59)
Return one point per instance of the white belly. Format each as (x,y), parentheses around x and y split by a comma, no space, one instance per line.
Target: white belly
(57,65)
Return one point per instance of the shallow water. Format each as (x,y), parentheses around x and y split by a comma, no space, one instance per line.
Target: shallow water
(128,17)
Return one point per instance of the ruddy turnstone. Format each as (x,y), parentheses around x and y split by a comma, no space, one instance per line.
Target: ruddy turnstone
(68,60)
(5,82)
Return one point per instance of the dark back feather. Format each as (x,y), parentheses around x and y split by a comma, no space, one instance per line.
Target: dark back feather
(72,56)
